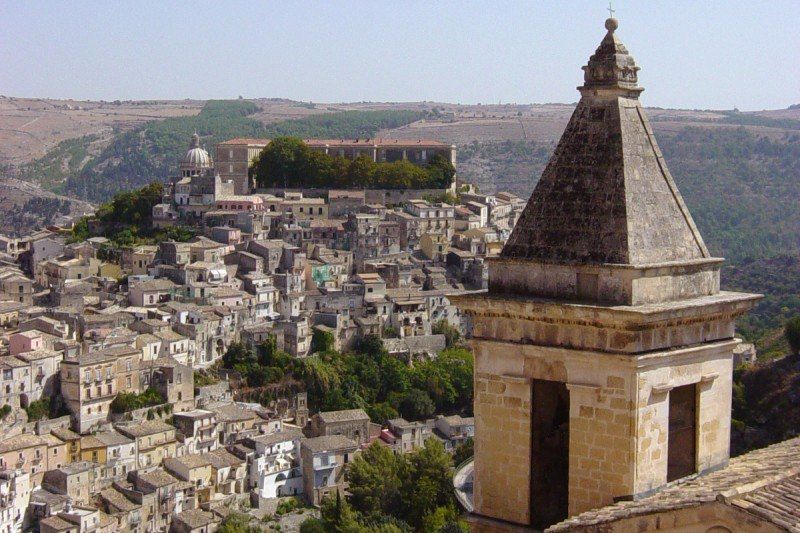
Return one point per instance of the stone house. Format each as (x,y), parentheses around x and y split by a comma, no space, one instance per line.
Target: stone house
(155,441)
(78,480)
(88,386)
(197,431)
(323,462)
(120,454)
(352,423)
(28,453)
(194,521)
(275,468)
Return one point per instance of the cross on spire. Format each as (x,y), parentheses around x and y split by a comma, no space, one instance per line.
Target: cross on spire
(610,10)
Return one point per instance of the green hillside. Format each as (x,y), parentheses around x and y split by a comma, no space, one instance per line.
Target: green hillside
(152,151)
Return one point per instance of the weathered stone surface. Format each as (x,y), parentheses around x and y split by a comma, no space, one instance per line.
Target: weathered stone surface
(606,195)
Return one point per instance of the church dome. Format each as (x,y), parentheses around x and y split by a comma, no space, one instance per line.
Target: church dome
(196,158)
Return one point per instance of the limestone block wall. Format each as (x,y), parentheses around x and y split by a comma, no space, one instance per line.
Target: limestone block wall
(602,418)
(601,441)
(710,369)
(619,420)
(502,446)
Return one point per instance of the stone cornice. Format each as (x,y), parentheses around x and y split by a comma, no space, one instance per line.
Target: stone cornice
(724,305)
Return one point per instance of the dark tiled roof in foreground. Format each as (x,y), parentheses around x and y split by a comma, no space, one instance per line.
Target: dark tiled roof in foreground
(764,483)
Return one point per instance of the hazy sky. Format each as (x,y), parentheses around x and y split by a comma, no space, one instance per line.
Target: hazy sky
(693,53)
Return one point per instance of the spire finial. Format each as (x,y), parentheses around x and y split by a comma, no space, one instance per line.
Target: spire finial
(611,23)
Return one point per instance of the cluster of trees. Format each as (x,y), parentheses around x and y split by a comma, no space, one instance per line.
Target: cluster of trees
(263,366)
(46,407)
(289,162)
(393,493)
(126,402)
(66,158)
(344,124)
(369,378)
(747,210)
(35,212)
(386,387)
(127,220)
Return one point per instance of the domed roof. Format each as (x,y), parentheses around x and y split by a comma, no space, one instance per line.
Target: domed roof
(196,157)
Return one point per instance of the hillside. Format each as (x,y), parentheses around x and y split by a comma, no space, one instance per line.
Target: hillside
(27,206)
(151,151)
(766,404)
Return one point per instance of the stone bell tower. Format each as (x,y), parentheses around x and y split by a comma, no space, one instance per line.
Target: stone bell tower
(603,347)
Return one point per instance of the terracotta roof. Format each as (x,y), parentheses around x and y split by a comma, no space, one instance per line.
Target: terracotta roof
(764,483)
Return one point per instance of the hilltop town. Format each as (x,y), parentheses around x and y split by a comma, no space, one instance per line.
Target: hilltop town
(130,392)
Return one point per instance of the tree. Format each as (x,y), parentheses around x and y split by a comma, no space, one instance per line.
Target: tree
(282,163)
(375,479)
(39,409)
(464,451)
(792,333)
(440,518)
(371,345)
(313,525)
(338,516)
(417,405)
(429,483)
(321,340)
(443,169)
(381,413)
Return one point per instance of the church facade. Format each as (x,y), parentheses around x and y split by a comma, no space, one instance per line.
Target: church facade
(603,347)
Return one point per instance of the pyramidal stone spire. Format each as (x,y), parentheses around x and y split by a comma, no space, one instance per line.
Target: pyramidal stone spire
(606,195)
(603,345)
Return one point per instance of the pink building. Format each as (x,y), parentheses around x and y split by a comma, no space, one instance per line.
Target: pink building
(25,341)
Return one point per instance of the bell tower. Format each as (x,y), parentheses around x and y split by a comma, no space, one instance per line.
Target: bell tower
(603,347)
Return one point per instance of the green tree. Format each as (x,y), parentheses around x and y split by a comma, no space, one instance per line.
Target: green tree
(375,479)
(39,409)
(443,171)
(338,516)
(417,405)
(321,340)
(464,451)
(792,333)
(282,163)
(313,525)
(429,482)
(371,345)
(451,333)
